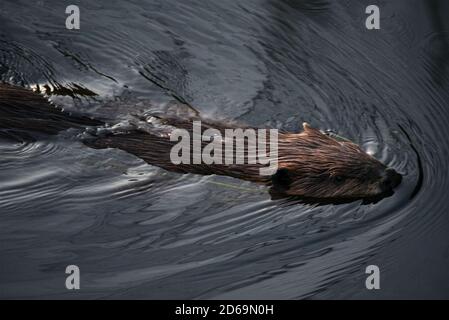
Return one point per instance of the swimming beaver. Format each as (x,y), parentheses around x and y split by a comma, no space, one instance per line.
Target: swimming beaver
(311,164)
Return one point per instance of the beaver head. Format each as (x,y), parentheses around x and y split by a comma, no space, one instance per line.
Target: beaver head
(315,165)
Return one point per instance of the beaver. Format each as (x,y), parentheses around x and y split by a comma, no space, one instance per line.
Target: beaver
(311,164)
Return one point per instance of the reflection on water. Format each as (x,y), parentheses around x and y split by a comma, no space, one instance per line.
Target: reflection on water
(137,231)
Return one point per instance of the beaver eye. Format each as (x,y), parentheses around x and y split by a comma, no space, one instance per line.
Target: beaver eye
(339,179)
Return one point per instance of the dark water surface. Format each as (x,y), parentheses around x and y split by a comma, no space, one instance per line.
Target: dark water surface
(137,231)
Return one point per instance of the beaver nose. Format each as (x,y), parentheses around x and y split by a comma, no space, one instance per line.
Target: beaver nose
(390,179)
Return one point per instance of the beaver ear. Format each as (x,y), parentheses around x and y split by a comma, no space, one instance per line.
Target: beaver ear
(309,130)
(282,179)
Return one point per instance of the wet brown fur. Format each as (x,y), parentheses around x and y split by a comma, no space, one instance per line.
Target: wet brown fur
(311,163)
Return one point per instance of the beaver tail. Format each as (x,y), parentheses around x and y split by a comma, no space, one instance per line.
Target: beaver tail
(23,109)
